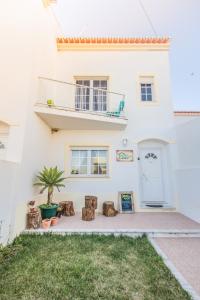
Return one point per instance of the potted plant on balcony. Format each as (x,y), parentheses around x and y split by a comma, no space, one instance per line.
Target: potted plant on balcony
(49,179)
(50,102)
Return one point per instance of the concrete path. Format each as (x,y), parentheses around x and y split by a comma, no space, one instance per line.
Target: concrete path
(184,253)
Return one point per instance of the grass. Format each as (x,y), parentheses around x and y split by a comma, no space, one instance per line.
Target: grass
(37,267)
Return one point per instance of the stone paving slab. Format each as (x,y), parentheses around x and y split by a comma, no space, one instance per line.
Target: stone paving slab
(184,253)
(141,221)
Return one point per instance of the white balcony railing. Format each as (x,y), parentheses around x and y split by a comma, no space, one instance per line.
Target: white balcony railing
(80,98)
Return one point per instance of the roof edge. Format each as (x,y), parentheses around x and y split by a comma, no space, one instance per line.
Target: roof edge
(187,113)
(112,43)
(47,3)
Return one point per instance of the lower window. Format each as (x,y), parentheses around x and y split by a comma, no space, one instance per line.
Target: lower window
(89,161)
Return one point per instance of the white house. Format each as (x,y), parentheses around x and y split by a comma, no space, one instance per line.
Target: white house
(111,126)
(89,133)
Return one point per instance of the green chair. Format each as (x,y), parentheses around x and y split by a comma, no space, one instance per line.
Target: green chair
(118,112)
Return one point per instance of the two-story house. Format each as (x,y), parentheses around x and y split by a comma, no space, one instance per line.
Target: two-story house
(98,108)
(112,94)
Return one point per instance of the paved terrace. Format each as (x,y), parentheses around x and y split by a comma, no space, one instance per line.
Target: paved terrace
(146,222)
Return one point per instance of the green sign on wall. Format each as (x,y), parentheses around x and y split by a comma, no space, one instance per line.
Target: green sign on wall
(124,155)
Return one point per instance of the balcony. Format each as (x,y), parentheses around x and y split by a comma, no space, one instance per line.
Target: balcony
(69,106)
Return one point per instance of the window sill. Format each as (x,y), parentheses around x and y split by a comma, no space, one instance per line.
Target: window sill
(148,103)
(88,177)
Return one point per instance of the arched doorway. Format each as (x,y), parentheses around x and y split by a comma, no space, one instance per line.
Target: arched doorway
(154,173)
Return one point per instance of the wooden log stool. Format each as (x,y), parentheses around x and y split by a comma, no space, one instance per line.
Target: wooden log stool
(88,214)
(67,208)
(91,201)
(109,209)
(62,206)
(33,220)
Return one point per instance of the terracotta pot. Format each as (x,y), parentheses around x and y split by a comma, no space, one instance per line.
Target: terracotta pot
(46,223)
(54,221)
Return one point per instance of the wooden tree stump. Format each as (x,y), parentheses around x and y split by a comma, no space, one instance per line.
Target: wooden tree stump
(62,205)
(91,201)
(88,214)
(109,209)
(33,220)
(67,208)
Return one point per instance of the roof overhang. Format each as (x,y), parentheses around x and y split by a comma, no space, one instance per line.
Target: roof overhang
(48,2)
(187,113)
(110,44)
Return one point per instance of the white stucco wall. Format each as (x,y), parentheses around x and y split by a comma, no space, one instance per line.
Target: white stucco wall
(144,121)
(31,52)
(188,172)
(8,175)
(28,43)
(124,69)
(188,142)
(28,51)
(122,176)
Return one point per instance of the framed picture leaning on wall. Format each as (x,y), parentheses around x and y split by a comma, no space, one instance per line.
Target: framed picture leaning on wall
(126,202)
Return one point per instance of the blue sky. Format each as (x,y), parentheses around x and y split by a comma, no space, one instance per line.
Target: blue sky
(178,19)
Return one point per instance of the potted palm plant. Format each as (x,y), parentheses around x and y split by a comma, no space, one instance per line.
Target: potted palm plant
(49,179)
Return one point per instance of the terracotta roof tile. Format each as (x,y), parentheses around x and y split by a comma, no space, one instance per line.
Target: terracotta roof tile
(187,113)
(111,40)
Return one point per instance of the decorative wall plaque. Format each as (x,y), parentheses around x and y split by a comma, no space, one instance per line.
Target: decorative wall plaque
(124,155)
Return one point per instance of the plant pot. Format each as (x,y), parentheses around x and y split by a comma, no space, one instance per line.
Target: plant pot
(54,221)
(46,223)
(47,212)
(50,102)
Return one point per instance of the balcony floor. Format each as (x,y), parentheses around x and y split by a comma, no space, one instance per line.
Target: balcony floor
(63,118)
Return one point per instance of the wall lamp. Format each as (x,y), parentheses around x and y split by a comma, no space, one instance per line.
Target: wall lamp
(125,142)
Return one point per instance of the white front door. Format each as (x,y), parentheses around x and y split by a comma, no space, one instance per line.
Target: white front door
(152,183)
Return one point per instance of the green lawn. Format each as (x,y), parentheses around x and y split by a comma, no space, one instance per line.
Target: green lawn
(85,267)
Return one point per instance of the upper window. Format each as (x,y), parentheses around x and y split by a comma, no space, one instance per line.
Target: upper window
(89,161)
(91,95)
(146,89)
(146,92)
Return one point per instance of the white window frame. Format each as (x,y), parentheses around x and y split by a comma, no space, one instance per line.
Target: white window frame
(147,79)
(91,96)
(146,94)
(89,165)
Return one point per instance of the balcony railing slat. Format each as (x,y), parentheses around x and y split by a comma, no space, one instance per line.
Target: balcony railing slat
(80,85)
